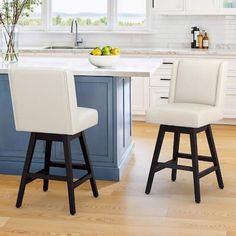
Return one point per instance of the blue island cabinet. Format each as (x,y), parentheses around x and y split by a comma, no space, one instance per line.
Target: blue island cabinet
(109,142)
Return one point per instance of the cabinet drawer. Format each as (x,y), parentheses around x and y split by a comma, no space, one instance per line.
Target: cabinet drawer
(163,6)
(160,81)
(231,81)
(162,76)
(158,96)
(163,72)
(230,104)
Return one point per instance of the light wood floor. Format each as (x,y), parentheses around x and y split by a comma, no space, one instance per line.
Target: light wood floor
(123,208)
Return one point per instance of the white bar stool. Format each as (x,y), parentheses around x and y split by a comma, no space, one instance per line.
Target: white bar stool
(44,103)
(195,101)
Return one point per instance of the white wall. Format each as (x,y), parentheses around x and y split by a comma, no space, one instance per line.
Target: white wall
(174,31)
(168,31)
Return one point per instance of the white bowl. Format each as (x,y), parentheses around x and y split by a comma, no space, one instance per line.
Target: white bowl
(104,61)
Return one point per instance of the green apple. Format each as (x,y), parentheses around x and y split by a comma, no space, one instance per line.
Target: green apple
(106,51)
(110,48)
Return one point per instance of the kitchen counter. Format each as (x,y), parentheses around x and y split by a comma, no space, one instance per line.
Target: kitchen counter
(139,51)
(106,90)
(126,67)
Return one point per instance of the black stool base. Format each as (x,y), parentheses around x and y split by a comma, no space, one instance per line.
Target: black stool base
(28,177)
(173,164)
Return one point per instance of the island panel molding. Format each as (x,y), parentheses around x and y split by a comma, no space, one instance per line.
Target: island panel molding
(109,142)
(106,90)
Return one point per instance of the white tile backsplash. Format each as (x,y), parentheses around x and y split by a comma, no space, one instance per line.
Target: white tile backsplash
(168,32)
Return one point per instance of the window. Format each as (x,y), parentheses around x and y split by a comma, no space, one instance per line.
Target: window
(90,14)
(35,18)
(87,12)
(131,13)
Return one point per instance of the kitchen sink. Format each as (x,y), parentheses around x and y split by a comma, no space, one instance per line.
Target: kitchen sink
(66,47)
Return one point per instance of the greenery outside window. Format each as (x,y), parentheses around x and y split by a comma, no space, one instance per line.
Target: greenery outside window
(91,15)
(34,19)
(131,13)
(87,13)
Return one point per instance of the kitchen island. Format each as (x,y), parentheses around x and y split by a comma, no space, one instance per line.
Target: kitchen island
(106,90)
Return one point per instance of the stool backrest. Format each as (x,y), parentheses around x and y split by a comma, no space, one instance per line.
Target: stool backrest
(199,81)
(44,100)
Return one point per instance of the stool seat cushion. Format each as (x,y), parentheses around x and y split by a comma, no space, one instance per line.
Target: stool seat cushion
(184,115)
(83,119)
(86,117)
(49,104)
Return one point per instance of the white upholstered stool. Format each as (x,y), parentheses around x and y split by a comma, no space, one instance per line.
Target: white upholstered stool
(44,103)
(195,101)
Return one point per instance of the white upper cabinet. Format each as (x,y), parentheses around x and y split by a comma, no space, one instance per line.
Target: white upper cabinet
(202,6)
(195,7)
(165,6)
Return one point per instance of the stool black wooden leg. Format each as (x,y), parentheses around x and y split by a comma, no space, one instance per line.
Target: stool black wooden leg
(26,169)
(156,154)
(88,163)
(48,150)
(69,174)
(175,154)
(194,152)
(212,147)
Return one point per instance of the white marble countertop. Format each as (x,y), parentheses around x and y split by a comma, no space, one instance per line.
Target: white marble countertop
(140,51)
(126,67)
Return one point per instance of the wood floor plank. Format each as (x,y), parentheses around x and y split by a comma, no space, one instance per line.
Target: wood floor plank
(3,221)
(123,208)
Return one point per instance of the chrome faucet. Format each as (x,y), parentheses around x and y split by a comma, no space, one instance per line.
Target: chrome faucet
(78,40)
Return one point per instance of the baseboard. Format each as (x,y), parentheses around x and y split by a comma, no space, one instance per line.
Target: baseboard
(101,173)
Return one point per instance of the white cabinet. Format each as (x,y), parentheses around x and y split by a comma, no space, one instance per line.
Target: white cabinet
(139,96)
(202,6)
(163,6)
(159,85)
(195,7)
(230,98)
(150,92)
(158,96)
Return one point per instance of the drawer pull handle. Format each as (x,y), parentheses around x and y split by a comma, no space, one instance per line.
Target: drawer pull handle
(167,63)
(164,97)
(163,79)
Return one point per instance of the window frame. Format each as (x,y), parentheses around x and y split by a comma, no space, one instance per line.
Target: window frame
(112,26)
(52,27)
(145,27)
(36,28)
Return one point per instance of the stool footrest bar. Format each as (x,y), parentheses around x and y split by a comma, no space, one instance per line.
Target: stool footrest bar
(189,156)
(31,178)
(40,175)
(82,180)
(207,171)
(172,165)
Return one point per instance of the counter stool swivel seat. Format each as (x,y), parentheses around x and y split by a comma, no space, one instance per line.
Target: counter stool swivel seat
(195,101)
(44,103)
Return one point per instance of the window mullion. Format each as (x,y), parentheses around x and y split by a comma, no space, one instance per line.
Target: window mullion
(112,14)
(148,14)
(46,14)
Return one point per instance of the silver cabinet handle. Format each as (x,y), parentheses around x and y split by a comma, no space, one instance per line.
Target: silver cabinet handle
(167,63)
